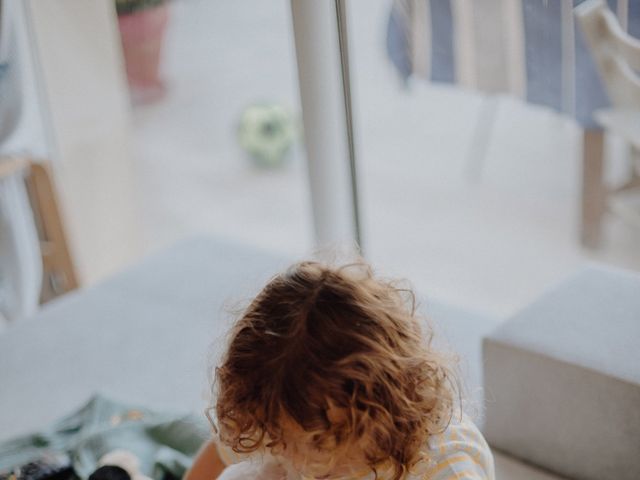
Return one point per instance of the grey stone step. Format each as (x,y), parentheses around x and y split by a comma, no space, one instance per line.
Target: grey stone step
(562,378)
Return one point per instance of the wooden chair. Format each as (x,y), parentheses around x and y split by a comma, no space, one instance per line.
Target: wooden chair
(59,275)
(617,58)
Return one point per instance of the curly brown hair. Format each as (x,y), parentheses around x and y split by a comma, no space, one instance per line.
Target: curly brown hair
(320,338)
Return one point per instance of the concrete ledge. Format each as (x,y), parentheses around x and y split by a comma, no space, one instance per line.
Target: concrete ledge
(562,379)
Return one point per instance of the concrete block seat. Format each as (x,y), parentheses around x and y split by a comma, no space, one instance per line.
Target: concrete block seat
(562,379)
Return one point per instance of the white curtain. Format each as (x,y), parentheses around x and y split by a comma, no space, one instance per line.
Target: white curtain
(20,261)
(21,133)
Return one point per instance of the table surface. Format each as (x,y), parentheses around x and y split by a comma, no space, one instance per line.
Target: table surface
(146,336)
(150,334)
(591,320)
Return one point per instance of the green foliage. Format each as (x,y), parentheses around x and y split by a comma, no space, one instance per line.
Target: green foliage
(125,7)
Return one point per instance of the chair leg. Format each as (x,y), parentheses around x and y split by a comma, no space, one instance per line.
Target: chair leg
(634,153)
(481,138)
(633,180)
(59,272)
(593,188)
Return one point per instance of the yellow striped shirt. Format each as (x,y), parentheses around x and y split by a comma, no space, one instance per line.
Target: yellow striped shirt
(458,453)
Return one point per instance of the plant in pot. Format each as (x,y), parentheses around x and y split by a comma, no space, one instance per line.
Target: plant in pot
(142,25)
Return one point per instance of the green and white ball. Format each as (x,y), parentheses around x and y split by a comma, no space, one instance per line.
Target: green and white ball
(267,132)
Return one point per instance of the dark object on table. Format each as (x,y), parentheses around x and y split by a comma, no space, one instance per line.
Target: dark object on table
(110,472)
(49,467)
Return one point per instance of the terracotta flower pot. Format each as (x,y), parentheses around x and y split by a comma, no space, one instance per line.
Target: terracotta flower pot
(142,35)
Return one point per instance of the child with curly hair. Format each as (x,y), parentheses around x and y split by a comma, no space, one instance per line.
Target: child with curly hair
(329,375)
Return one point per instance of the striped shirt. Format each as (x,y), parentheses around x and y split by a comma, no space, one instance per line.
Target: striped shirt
(458,453)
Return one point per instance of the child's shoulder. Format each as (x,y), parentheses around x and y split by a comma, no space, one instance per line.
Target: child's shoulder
(460,452)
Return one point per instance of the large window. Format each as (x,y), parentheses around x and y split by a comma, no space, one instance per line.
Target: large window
(196,172)
(469,137)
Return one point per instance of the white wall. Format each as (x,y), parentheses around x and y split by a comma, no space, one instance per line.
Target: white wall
(84,85)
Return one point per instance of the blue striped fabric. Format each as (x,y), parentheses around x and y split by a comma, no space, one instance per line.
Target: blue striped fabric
(634,18)
(442,68)
(543,51)
(590,92)
(398,44)
(544,65)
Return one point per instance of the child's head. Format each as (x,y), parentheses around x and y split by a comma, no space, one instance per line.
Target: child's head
(328,367)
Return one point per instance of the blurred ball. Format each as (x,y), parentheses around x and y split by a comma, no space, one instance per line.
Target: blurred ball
(267,132)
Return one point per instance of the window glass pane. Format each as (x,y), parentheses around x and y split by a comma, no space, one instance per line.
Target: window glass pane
(228,67)
(469,125)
